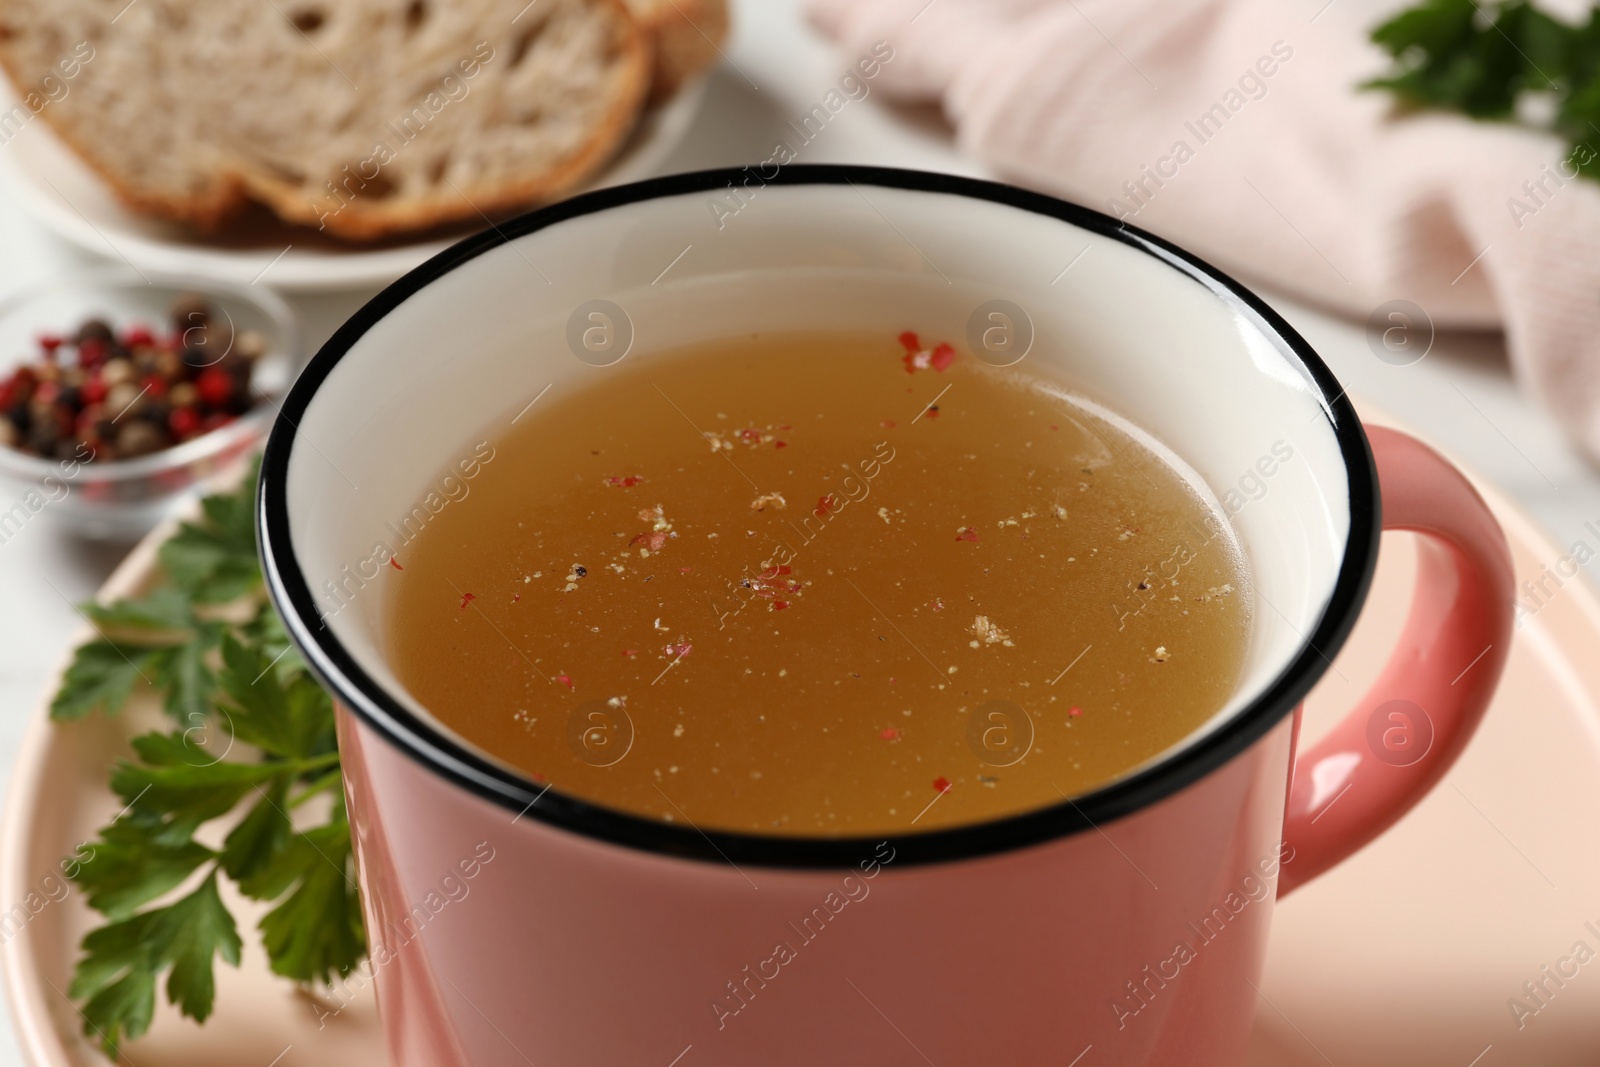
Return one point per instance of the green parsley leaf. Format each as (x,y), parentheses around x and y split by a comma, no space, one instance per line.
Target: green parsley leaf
(117,981)
(183,672)
(253,852)
(254,733)
(1483,58)
(266,633)
(101,676)
(163,609)
(132,866)
(195,929)
(292,719)
(123,959)
(214,561)
(1444,61)
(186,794)
(317,932)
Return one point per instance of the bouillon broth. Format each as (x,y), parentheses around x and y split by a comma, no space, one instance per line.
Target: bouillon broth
(821,584)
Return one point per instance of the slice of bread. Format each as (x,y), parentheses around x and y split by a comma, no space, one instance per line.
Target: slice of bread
(365,118)
(688,37)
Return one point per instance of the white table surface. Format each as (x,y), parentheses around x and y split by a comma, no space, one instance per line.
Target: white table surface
(1461,395)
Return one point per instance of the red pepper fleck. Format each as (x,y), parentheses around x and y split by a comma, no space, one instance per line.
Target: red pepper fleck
(515,597)
(937,605)
(467,598)
(889,733)
(630,652)
(941,784)
(786,426)
(825,504)
(626,481)
(916,357)
(774,572)
(1074,711)
(887,424)
(395,564)
(1053,426)
(49,342)
(780,444)
(655,542)
(685,570)
(750,434)
(779,605)
(565,680)
(933,411)
(967,533)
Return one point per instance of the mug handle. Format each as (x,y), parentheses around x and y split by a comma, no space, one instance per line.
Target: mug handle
(1408,729)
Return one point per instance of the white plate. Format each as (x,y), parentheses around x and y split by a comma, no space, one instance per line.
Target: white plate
(69,198)
(1404,956)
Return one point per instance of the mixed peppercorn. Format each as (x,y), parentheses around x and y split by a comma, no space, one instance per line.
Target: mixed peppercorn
(131,393)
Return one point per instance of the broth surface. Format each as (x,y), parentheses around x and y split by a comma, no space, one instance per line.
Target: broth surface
(778,584)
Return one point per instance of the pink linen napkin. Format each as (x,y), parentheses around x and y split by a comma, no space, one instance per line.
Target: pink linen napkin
(1234,128)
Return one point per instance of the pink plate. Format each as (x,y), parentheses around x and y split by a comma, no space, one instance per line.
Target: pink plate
(1406,954)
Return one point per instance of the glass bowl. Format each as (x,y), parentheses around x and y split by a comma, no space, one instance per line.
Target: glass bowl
(122,499)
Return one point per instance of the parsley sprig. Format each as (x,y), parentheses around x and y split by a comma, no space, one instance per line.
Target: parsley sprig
(251,730)
(1481,57)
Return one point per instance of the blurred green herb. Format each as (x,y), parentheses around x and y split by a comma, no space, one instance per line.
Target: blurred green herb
(252,732)
(1483,58)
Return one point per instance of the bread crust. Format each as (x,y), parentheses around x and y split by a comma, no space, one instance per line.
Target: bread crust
(230,190)
(687,36)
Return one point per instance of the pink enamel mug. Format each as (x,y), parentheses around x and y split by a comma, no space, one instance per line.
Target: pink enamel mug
(513,925)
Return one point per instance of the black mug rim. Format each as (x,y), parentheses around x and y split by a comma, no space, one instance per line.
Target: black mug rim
(457,763)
